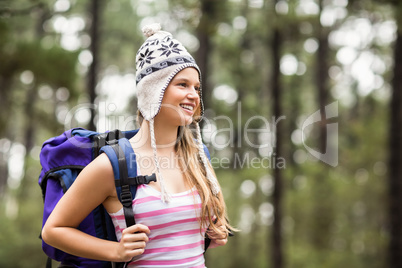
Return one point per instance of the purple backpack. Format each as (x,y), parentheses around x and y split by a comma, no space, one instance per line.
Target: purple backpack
(62,159)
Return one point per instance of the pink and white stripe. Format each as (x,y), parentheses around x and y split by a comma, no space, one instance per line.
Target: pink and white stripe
(175,239)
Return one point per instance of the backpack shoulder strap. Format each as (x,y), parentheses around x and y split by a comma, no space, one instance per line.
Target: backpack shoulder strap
(123,160)
(119,156)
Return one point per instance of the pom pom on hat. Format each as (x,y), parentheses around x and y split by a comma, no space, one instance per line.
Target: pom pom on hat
(151,29)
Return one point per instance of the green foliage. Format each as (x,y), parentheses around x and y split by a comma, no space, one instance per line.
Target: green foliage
(20,233)
(54,66)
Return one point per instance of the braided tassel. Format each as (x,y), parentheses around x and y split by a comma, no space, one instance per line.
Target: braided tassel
(214,182)
(164,194)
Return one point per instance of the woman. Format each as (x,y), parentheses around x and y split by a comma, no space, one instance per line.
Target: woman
(172,214)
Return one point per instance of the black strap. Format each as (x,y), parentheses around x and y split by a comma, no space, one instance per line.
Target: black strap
(126,197)
(137,180)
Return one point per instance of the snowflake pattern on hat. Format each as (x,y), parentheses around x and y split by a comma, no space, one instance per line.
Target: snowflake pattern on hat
(171,48)
(145,58)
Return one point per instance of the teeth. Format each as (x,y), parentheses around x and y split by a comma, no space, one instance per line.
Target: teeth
(187,107)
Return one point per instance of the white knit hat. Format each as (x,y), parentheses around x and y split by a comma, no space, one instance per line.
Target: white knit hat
(158,60)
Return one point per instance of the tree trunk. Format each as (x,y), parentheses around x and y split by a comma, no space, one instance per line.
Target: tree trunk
(5,114)
(204,32)
(277,254)
(32,93)
(94,14)
(395,161)
(322,79)
(322,205)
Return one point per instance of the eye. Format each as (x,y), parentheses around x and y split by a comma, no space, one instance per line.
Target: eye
(198,89)
(182,84)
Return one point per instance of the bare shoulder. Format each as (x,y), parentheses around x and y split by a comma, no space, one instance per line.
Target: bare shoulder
(102,164)
(98,175)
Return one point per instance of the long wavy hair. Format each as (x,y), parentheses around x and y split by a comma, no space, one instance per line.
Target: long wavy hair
(213,207)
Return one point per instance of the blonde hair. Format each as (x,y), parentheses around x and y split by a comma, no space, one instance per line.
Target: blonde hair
(195,175)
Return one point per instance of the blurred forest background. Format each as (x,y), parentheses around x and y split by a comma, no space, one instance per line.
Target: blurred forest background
(303,119)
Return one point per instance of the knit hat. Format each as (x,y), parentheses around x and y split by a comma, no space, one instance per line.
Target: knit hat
(158,60)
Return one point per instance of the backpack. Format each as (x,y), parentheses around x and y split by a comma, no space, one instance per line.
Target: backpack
(62,159)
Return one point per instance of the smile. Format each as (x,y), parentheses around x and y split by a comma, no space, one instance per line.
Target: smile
(187,107)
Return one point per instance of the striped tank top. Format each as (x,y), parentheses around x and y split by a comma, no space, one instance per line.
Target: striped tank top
(175,239)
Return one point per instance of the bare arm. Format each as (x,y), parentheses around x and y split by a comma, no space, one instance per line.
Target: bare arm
(92,187)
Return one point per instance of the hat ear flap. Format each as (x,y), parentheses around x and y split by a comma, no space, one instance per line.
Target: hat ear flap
(197,114)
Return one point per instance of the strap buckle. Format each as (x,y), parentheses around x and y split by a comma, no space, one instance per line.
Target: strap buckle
(145,179)
(125,196)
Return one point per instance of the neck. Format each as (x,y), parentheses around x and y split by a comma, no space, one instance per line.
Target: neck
(165,137)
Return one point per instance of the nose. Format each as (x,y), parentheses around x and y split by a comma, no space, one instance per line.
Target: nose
(193,94)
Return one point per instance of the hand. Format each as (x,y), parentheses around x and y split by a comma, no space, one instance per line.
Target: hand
(217,239)
(132,242)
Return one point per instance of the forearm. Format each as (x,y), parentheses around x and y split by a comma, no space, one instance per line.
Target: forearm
(75,242)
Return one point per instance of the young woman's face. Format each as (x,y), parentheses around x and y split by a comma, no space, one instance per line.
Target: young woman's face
(182,98)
